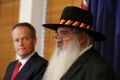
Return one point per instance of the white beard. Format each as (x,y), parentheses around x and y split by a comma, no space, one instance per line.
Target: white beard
(61,61)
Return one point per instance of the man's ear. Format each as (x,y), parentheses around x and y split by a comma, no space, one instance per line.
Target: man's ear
(35,40)
(83,39)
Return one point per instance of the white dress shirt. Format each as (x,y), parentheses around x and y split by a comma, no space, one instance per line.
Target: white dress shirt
(24,60)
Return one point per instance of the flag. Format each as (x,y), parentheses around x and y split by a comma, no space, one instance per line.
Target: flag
(84,4)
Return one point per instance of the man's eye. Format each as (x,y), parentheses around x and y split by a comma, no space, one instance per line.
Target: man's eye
(64,33)
(57,34)
(25,39)
(16,40)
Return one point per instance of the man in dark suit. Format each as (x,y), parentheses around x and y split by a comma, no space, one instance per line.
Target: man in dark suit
(75,57)
(29,66)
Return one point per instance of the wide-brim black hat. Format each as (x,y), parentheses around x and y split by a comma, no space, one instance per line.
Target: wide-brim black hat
(77,18)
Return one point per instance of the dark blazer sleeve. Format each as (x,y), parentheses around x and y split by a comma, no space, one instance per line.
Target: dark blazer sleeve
(39,73)
(99,71)
(97,68)
(90,66)
(32,70)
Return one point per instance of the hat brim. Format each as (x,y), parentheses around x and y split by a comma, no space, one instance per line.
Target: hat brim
(96,35)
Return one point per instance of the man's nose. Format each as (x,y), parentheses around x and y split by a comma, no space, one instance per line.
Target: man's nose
(20,42)
(59,38)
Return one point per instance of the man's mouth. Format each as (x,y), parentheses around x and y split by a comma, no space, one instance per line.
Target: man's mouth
(59,43)
(21,48)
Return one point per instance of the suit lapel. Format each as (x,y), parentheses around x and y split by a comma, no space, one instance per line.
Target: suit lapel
(26,66)
(74,68)
(10,70)
(23,70)
(78,64)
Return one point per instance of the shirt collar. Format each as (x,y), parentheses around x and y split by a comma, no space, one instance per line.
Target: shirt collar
(24,60)
(85,49)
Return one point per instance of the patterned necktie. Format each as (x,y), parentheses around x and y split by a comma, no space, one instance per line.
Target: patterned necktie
(16,70)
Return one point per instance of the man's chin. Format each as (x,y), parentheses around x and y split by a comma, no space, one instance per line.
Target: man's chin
(22,55)
(59,46)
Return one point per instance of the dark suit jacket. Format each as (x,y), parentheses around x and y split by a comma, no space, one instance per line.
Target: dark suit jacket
(32,70)
(89,66)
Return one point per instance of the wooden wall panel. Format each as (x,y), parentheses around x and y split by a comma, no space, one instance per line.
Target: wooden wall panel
(54,10)
(9,11)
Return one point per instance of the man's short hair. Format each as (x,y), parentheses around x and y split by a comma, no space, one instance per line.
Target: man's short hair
(28,25)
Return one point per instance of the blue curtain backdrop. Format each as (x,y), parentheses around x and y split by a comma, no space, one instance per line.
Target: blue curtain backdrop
(107,21)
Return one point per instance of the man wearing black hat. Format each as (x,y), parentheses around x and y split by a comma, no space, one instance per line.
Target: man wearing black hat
(75,57)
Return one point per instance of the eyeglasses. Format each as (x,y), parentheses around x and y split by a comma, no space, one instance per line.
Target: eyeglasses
(62,34)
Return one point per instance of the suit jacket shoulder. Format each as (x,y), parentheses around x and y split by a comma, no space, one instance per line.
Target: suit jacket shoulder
(89,66)
(9,70)
(32,70)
